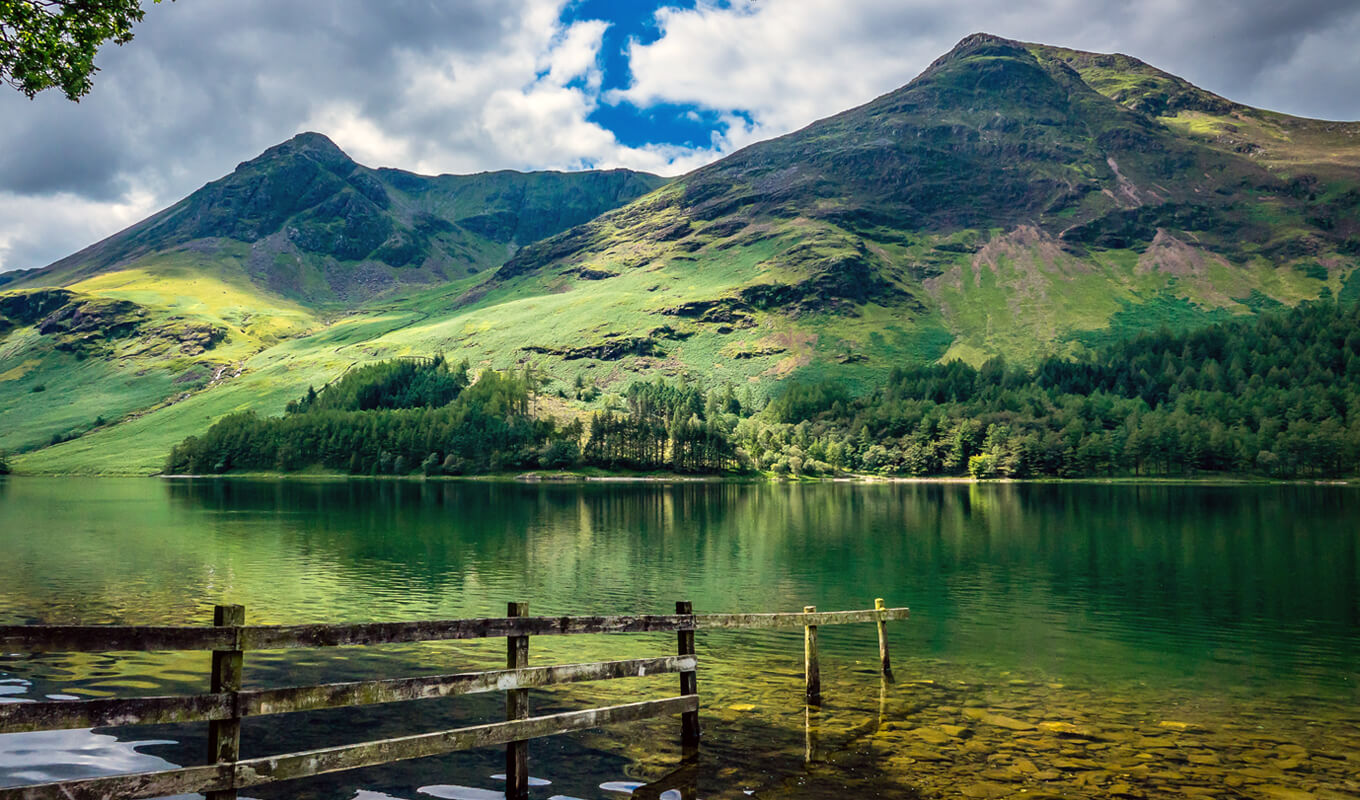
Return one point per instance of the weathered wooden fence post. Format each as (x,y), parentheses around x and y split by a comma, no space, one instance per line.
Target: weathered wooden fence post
(224,735)
(885,663)
(517,707)
(689,681)
(812,671)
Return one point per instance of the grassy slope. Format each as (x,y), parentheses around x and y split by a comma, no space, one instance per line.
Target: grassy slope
(140,373)
(493,332)
(75,392)
(1283,142)
(269,380)
(1257,240)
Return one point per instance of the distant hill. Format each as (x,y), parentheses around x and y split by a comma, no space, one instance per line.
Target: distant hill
(178,303)
(1014,199)
(320,229)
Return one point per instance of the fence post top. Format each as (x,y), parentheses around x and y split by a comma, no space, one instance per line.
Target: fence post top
(809,609)
(878,604)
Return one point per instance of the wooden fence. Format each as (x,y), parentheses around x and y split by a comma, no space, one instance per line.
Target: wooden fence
(227,703)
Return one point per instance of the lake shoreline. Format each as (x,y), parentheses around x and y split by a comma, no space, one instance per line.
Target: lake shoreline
(570,477)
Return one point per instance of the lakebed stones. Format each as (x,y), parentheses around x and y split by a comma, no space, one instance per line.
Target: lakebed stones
(1035,739)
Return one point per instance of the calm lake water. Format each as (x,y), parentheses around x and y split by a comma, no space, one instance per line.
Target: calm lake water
(1208,604)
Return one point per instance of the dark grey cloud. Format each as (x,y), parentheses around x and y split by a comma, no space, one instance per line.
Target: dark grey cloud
(488,84)
(87,161)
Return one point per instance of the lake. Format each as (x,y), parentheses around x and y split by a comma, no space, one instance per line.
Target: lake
(1065,640)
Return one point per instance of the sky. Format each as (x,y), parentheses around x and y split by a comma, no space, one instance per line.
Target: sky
(458,86)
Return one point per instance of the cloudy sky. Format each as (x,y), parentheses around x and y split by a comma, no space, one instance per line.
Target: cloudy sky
(468,85)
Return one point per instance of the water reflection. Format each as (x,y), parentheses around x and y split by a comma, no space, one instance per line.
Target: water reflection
(83,753)
(1200,590)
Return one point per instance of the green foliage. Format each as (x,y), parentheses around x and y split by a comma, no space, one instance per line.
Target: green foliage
(387,419)
(1350,290)
(1277,395)
(487,426)
(982,466)
(1164,310)
(402,383)
(48,44)
(805,401)
(4,463)
(666,427)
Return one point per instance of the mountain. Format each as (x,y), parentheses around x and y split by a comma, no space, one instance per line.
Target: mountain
(281,248)
(1014,199)
(307,222)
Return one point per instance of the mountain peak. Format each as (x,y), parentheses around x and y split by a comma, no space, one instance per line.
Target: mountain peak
(309,144)
(982,38)
(313,139)
(981,44)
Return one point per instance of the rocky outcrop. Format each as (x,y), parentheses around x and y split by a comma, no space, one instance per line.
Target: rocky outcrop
(612,349)
(87,324)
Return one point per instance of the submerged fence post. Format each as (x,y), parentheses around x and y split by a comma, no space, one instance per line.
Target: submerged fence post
(517,707)
(812,671)
(885,663)
(689,681)
(812,733)
(224,735)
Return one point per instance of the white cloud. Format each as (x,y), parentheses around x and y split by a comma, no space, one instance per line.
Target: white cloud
(28,224)
(575,54)
(363,139)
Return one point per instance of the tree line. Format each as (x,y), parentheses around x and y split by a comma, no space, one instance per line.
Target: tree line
(667,427)
(1275,395)
(425,415)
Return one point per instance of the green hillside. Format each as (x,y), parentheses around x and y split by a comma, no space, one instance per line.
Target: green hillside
(1014,199)
(998,204)
(289,245)
(325,231)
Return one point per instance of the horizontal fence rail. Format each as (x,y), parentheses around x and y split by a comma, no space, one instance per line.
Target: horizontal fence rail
(67,714)
(708,622)
(111,638)
(269,769)
(227,703)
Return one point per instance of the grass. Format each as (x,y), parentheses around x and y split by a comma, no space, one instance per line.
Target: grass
(212,289)
(139,445)
(75,393)
(134,387)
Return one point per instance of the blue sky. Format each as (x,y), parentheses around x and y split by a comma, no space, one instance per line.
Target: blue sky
(682,124)
(473,85)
